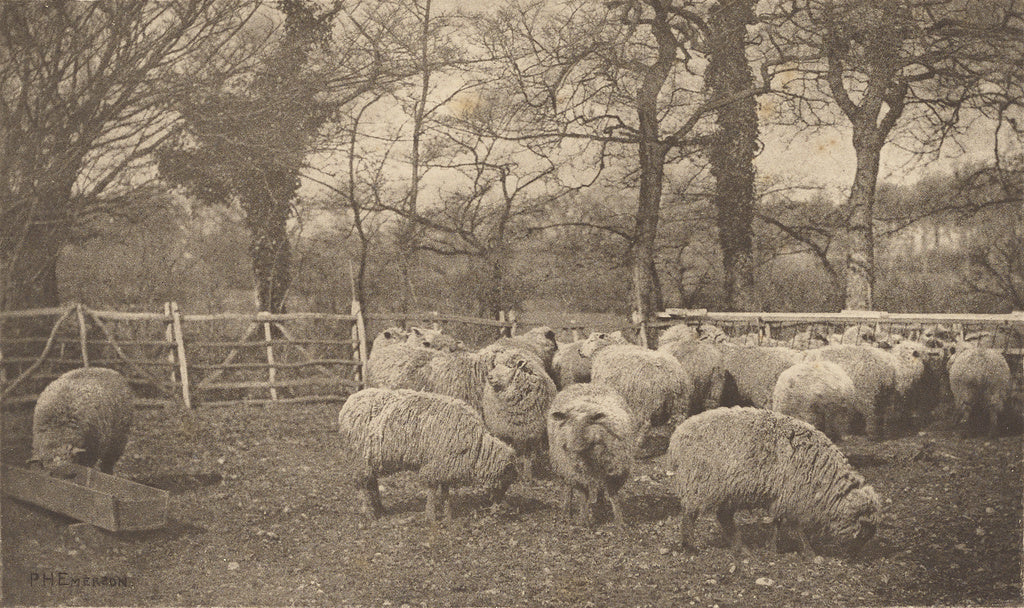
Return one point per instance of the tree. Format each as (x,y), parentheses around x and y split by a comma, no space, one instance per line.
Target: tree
(621,75)
(882,61)
(247,142)
(83,106)
(732,147)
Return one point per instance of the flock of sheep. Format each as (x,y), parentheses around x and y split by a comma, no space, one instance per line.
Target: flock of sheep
(752,426)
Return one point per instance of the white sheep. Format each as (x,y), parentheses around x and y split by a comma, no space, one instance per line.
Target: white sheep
(591,439)
(515,401)
(394,362)
(735,458)
(435,338)
(83,417)
(873,372)
(387,431)
(653,383)
(540,341)
(817,392)
(980,381)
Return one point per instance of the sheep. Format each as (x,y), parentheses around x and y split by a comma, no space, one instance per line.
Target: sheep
(914,374)
(752,372)
(591,438)
(653,383)
(873,372)
(515,402)
(568,366)
(980,381)
(817,392)
(395,363)
(539,340)
(808,339)
(734,458)
(702,361)
(436,339)
(386,431)
(83,417)
(858,334)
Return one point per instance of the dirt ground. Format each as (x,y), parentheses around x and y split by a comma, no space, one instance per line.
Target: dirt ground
(260,515)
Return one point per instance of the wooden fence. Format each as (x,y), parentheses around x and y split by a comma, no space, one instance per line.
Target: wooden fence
(262,358)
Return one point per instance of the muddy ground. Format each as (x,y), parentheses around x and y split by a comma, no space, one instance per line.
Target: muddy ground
(260,515)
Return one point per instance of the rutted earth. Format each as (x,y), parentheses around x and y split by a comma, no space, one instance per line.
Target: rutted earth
(260,516)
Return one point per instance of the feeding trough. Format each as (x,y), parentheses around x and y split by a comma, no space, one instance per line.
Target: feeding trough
(91,496)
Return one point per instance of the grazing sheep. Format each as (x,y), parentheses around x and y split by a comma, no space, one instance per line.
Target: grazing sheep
(680,332)
(873,372)
(653,383)
(817,392)
(735,458)
(753,371)
(703,363)
(388,431)
(980,381)
(591,439)
(539,341)
(83,417)
(515,401)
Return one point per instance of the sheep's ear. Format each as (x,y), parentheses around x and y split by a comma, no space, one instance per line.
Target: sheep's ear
(597,416)
(416,330)
(76,451)
(560,416)
(550,335)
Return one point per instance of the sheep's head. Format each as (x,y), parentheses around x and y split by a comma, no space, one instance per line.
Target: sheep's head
(857,519)
(598,340)
(55,453)
(511,367)
(391,335)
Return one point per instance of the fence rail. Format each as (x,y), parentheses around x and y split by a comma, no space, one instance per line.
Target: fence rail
(222,359)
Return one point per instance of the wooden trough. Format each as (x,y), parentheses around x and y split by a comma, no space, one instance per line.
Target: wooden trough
(91,496)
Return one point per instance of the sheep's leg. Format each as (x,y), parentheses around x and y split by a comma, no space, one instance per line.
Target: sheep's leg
(805,543)
(435,498)
(526,468)
(775,538)
(586,514)
(993,420)
(446,502)
(728,525)
(687,523)
(370,491)
(570,492)
(616,502)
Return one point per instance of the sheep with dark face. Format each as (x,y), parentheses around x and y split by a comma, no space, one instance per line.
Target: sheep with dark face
(83,417)
(387,431)
(591,439)
(735,458)
(980,381)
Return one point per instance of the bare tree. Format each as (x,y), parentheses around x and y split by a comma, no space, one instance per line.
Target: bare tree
(925,64)
(83,105)
(622,75)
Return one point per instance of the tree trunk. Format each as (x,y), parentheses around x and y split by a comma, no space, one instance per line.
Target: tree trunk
(646,287)
(731,155)
(269,248)
(860,259)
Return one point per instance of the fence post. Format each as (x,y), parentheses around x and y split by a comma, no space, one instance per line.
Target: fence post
(359,338)
(641,323)
(512,317)
(271,370)
(179,340)
(83,335)
(172,346)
